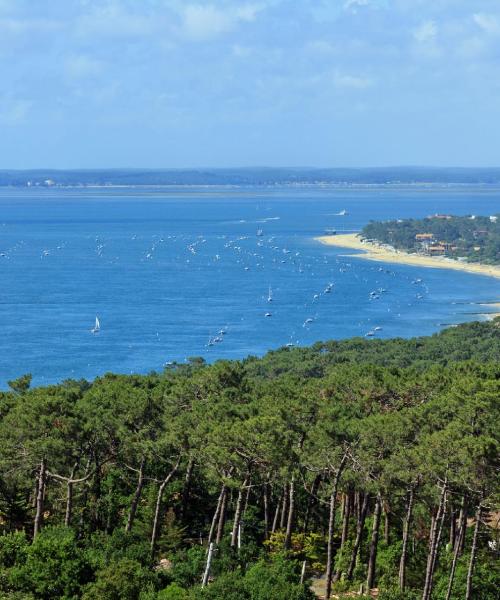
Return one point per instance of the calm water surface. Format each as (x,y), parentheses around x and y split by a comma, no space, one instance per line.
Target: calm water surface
(166,270)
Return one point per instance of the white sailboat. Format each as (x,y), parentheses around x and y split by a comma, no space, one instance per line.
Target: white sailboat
(97,326)
(270,294)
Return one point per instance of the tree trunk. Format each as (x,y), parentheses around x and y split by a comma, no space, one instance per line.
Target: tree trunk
(85,494)
(357,504)
(247,498)
(440,525)
(206,574)
(433,546)
(222,516)
(216,515)
(345,518)
(159,498)
(69,496)
(265,500)
(284,507)
(386,523)
(237,514)
(331,527)
(291,515)
(406,530)
(463,527)
(186,490)
(372,561)
(310,502)
(359,535)
(136,498)
(453,527)
(472,562)
(276,515)
(346,513)
(37,525)
(456,551)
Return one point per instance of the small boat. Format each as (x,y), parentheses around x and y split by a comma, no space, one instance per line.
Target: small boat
(378,328)
(268,314)
(270,294)
(97,326)
(342,213)
(370,334)
(260,232)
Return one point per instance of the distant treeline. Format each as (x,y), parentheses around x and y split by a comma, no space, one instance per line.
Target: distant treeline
(249,176)
(475,237)
(372,463)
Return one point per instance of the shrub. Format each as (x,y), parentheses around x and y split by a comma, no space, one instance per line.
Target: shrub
(173,592)
(395,594)
(123,580)
(188,566)
(13,549)
(55,566)
(106,549)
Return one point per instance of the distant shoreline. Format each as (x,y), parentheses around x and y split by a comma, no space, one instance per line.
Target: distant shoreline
(372,251)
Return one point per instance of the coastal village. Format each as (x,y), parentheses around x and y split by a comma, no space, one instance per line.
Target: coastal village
(439,235)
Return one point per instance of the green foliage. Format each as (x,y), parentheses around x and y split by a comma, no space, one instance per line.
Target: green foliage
(263,581)
(369,419)
(55,566)
(486,577)
(13,549)
(189,566)
(173,592)
(303,546)
(395,594)
(229,586)
(104,549)
(21,384)
(123,580)
(275,580)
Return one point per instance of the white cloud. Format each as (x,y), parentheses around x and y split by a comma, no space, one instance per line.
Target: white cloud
(110,19)
(19,26)
(426,32)
(488,23)
(241,51)
(206,21)
(354,4)
(320,47)
(14,111)
(344,80)
(81,66)
(472,47)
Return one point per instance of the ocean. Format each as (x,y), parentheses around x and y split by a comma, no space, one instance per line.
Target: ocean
(178,272)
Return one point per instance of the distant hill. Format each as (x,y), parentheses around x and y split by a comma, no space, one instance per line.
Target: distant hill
(250,176)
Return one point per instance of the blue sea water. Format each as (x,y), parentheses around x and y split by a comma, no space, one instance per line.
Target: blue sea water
(167,269)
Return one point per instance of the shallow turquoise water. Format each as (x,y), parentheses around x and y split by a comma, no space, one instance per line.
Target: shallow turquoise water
(167,269)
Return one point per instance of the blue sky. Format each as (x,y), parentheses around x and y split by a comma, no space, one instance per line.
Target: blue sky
(181,83)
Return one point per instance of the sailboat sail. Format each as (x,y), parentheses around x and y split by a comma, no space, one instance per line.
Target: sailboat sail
(97,326)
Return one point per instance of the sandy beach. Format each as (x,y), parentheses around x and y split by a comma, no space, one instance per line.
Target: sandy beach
(493,313)
(375,252)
